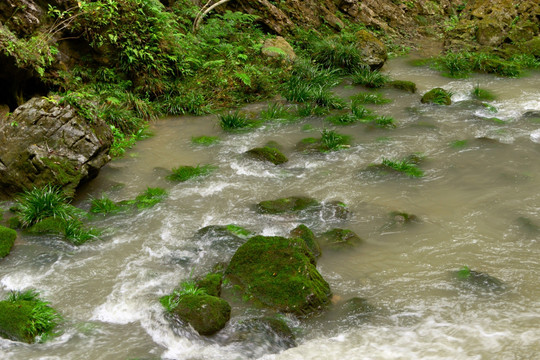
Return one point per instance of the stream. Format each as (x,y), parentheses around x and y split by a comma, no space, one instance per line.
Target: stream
(478,205)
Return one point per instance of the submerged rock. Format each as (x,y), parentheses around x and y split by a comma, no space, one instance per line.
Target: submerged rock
(280,273)
(268,334)
(403,85)
(304,233)
(205,313)
(47,143)
(356,308)
(339,238)
(335,209)
(286,205)
(399,217)
(479,280)
(268,153)
(223,238)
(437,96)
(7,239)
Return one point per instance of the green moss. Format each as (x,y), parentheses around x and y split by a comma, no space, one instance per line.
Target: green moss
(205,140)
(279,273)
(184,173)
(7,239)
(50,225)
(459,144)
(14,222)
(205,313)
(286,205)
(211,284)
(400,217)
(305,233)
(405,166)
(403,85)
(268,153)
(340,238)
(437,96)
(23,317)
(64,173)
(149,197)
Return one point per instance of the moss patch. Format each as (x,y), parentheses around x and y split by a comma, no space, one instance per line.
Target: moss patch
(286,205)
(7,239)
(48,225)
(211,284)
(437,96)
(305,233)
(279,273)
(339,238)
(268,153)
(207,314)
(403,85)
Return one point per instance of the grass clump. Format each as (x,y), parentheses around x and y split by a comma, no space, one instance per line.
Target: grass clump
(188,287)
(205,140)
(234,121)
(332,141)
(150,197)
(386,122)
(24,317)
(309,109)
(437,96)
(184,173)
(333,53)
(103,205)
(405,166)
(276,111)
(40,203)
(482,94)
(369,98)
(343,119)
(371,79)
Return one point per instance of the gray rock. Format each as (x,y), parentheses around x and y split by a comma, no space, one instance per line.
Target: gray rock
(45,142)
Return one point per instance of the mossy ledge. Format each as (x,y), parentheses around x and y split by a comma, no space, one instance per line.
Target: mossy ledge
(280,273)
(7,239)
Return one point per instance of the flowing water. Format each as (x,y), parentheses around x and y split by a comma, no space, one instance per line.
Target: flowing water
(478,205)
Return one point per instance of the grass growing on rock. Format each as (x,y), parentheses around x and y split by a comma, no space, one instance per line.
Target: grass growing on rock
(24,317)
(184,173)
(103,205)
(39,203)
(332,141)
(370,98)
(405,166)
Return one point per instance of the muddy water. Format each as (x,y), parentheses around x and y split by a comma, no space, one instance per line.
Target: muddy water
(473,205)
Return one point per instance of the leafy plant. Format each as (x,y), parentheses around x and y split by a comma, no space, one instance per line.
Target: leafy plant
(343,119)
(335,53)
(332,141)
(384,122)
(40,203)
(76,233)
(184,173)
(275,111)
(234,121)
(371,79)
(103,205)
(150,197)
(360,111)
(405,166)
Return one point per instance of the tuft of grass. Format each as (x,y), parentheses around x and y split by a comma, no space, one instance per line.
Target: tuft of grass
(275,111)
(309,109)
(323,97)
(343,119)
(184,173)
(332,53)
(386,122)
(234,121)
(188,287)
(205,140)
(371,79)
(405,166)
(103,205)
(332,141)
(455,65)
(369,98)
(457,144)
(150,197)
(40,203)
(76,233)
(482,94)
(360,111)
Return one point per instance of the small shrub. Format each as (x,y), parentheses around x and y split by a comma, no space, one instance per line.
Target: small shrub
(234,121)
(205,140)
(482,94)
(369,98)
(405,166)
(184,173)
(371,79)
(332,141)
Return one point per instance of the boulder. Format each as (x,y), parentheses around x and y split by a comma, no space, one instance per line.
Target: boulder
(339,238)
(48,143)
(267,153)
(7,239)
(372,49)
(476,280)
(278,47)
(437,96)
(304,233)
(286,205)
(279,273)
(403,85)
(205,313)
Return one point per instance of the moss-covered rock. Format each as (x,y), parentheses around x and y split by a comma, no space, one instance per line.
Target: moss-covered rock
(205,313)
(7,239)
(304,233)
(14,222)
(437,96)
(278,47)
(269,333)
(268,153)
(211,284)
(400,217)
(478,280)
(339,238)
(280,273)
(23,317)
(372,49)
(403,85)
(336,209)
(286,205)
(50,225)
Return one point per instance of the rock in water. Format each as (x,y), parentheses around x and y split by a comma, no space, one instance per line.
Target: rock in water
(535,136)
(280,273)
(47,143)
(207,314)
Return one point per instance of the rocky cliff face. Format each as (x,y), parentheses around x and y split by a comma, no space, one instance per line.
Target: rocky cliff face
(44,142)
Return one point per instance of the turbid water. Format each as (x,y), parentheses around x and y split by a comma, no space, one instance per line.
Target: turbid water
(477,205)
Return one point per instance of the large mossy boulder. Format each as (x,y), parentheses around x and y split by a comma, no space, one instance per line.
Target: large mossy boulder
(286,205)
(278,47)
(372,49)
(268,153)
(305,233)
(205,313)
(23,317)
(437,96)
(47,143)
(7,239)
(279,273)
(339,238)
